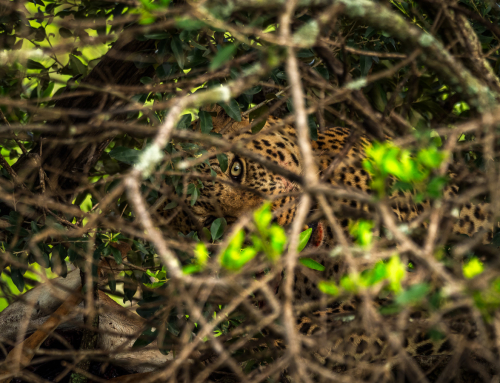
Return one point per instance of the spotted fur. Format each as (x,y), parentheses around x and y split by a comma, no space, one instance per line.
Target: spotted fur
(338,155)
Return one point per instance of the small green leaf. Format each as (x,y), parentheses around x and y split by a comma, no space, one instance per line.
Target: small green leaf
(194,196)
(217,228)
(163,70)
(65,33)
(233,258)
(176,46)
(140,247)
(205,122)
(328,287)
(157,36)
(201,253)
(232,109)
(187,24)
(278,241)
(146,80)
(263,217)
(254,114)
(34,227)
(473,268)
(77,66)
(184,122)
(191,269)
(170,205)
(30,64)
(307,34)
(17,278)
(117,255)
(148,336)
(312,264)
(304,239)
(223,162)
(126,155)
(111,282)
(222,56)
(413,295)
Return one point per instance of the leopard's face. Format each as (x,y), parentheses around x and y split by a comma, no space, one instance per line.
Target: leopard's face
(245,184)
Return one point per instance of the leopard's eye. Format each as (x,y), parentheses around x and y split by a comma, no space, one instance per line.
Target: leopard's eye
(236,170)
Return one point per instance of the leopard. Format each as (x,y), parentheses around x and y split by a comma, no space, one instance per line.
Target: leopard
(247,183)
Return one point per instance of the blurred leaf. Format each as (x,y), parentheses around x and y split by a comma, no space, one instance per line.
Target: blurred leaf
(176,46)
(232,109)
(17,278)
(328,287)
(163,70)
(65,33)
(413,295)
(77,66)
(304,239)
(201,253)
(217,228)
(31,64)
(222,56)
(206,122)
(223,162)
(117,255)
(147,337)
(254,114)
(278,241)
(312,264)
(473,268)
(184,122)
(126,155)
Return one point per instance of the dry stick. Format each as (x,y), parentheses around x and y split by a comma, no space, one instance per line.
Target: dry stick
(310,177)
(25,351)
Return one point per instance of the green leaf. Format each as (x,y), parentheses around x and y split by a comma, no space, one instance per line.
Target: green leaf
(233,258)
(328,287)
(17,278)
(187,24)
(34,227)
(473,268)
(146,80)
(217,228)
(111,282)
(312,264)
(223,162)
(205,122)
(176,46)
(254,114)
(117,255)
(30,64)
(222,56)
(304,239)
(170,205)
(263,217)
(157,36)
(163,70)
(194,195)
(191,269)
(140,247)
(232,109)
(184,122)
(413,295)
(148,336)
(201,253)
(65,33)
(126,155)
(278,241)
(77,66)
(307,34)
